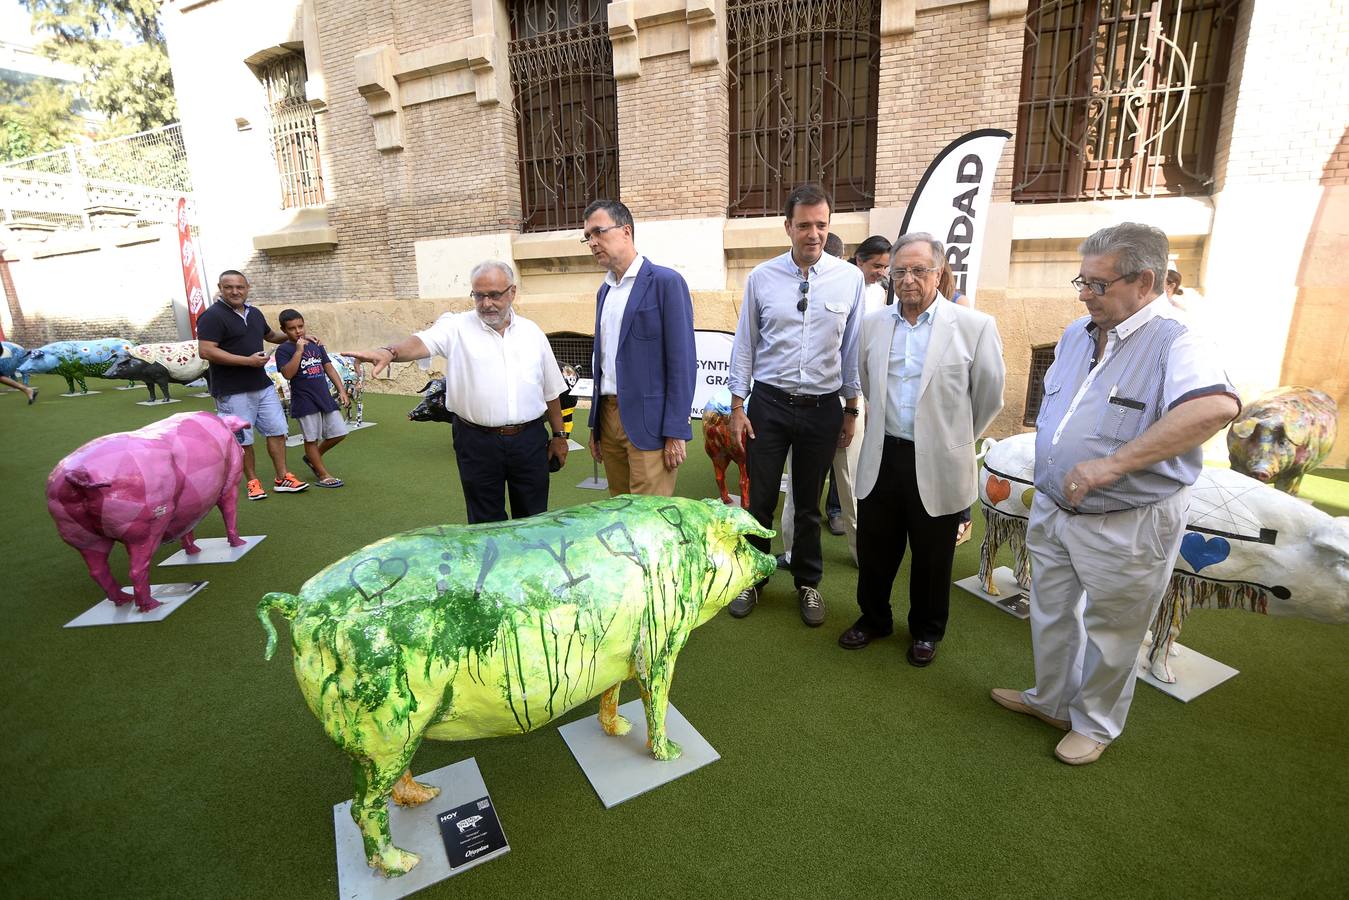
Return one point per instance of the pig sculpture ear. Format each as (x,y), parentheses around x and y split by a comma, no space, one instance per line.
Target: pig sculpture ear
(1297,432)
(1243,429)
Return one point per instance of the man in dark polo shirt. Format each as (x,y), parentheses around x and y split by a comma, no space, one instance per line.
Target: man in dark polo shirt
(229,337)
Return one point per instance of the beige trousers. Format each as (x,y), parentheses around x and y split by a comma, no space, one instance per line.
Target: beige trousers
(629,470)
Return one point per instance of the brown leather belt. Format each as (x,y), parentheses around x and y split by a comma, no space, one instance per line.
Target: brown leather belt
(504,430)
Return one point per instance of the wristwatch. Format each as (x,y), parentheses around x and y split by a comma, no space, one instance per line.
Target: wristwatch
(851,411)
(559,434)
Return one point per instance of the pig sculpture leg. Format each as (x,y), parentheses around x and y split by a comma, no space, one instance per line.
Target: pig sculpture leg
(719,468)
(229,495)
(612,723)
(96,559)
(655,686)
(413,793)
(141,553)
(380,770)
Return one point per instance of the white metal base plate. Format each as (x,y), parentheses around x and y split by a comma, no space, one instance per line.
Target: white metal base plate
(1195,673)
(621,767)
(172,596)
(1014,601)
(79,394)
(295,440)
(214,550)
(131,387)
(202,395)
(154,402)
(415,829)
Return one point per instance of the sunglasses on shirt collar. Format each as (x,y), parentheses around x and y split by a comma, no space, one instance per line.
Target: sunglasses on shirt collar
(805,297)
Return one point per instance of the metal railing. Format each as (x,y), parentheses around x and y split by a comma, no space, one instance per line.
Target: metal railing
(145,172)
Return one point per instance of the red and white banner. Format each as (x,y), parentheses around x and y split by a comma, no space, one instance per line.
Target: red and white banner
(192,280)
(951,201)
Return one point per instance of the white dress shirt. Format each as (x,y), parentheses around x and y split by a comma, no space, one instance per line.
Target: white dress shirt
(494,379)
(611,323)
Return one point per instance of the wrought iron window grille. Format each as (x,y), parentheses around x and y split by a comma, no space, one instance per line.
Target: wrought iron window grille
(566,109)
(1121,98)
(293,131)
(804,82)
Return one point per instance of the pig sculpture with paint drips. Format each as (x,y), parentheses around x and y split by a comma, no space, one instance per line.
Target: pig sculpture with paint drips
(462,632)
(1246,546)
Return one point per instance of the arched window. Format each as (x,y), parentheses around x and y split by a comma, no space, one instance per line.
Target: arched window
(804,80)
(566,108)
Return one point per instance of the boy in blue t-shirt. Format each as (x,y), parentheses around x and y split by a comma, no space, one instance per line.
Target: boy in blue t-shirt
(305,363)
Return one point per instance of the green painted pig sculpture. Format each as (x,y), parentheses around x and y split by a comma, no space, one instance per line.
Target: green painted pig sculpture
(461,632)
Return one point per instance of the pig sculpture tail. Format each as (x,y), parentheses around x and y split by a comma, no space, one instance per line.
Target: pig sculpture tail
(288,604)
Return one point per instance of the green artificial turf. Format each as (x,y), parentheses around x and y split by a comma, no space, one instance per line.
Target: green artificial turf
(170,760)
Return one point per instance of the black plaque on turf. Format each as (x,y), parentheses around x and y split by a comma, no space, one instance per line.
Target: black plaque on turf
(471,832)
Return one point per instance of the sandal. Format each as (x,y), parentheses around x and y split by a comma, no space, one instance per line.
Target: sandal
(329,482)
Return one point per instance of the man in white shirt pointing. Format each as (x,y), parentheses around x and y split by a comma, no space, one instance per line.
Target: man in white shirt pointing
(501,382)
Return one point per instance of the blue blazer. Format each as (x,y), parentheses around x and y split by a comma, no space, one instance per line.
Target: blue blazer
(657,361)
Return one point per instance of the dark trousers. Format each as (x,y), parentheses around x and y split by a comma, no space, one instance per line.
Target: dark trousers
(490,465)
(890,517)
(811,433)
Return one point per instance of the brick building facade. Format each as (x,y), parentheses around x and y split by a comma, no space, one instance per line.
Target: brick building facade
(418,147)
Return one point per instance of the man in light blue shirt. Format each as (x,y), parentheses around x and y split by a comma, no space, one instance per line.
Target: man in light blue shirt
(933,376)
(796,351)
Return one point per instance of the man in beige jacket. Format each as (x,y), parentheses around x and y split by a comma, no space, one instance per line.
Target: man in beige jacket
(932,374)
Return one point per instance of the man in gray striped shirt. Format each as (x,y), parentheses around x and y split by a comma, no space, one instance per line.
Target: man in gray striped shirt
(1131,397)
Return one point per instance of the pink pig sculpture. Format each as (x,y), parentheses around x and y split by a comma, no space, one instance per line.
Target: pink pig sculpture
(143,488)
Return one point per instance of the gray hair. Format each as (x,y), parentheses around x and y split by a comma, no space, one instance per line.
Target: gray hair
(938,249)
(497,264)
(1137,248)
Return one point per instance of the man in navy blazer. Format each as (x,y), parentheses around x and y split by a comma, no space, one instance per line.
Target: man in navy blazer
(645,361)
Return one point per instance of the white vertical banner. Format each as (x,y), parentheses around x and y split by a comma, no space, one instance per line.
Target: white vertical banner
(952,201)
(714,367)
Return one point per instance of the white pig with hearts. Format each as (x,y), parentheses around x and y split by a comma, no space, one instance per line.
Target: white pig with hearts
(1246,546)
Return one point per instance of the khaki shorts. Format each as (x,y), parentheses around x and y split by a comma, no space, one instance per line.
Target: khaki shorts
(320,426)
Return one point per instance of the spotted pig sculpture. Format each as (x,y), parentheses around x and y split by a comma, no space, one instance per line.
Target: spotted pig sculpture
(1282,435)
(1246,546)
(720,448)
(464,632)
(158,365)
(74,360)
(145,487)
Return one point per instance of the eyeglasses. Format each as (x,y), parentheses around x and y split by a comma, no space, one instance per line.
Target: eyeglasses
(494,296)
(588,236)
(918,272)
(805,297)
(1097,287)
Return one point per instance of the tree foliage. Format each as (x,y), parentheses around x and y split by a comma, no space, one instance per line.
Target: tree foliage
(129,81)
(35,118)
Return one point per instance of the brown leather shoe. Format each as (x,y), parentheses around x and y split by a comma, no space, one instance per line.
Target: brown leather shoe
(857,637)
(922,653)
